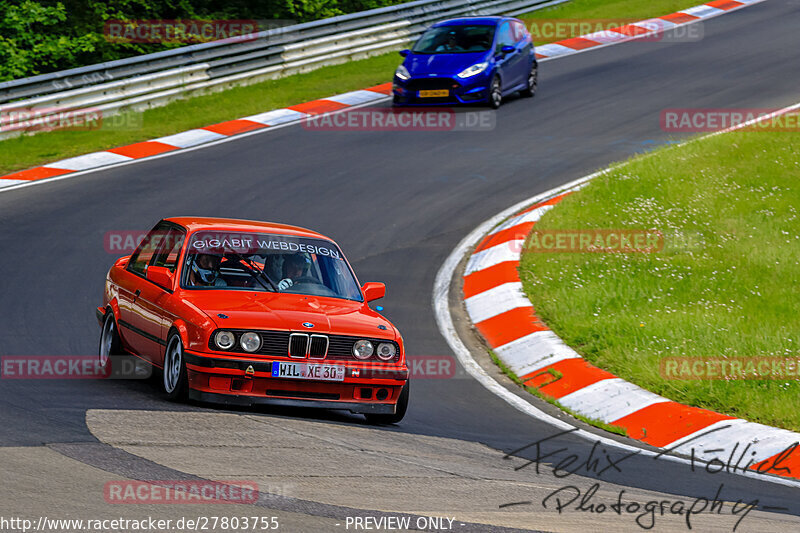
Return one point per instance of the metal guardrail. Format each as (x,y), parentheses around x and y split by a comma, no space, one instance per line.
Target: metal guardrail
(151,80)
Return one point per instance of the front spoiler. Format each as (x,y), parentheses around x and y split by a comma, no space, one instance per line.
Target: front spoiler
(246,401)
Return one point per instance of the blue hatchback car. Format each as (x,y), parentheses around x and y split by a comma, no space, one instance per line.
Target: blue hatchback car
(467,60)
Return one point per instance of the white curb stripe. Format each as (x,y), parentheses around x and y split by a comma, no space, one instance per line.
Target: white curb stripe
(609,399)
(506,251)
(356,97)
(703,11)
(534,351)
(496,300)
(719,439)
(87,161)
(189,138)
(277,116)
(9,183)
(530,216)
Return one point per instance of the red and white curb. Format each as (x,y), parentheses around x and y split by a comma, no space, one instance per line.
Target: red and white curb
(199,136)
(639,30)
(502,313)
(279,117)
(506,319)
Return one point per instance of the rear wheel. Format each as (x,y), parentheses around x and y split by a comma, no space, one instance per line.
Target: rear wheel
(400,411)
(495,97)
(174,381)
(109,340)
(533,83)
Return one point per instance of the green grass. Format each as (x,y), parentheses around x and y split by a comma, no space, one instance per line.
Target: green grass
(727,283)
(28,151)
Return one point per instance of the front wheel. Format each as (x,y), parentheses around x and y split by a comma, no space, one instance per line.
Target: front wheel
(174,381)
(495,93)
(533,83)
(399,413)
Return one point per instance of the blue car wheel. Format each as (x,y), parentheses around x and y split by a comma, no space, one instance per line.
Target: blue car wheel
(495,97)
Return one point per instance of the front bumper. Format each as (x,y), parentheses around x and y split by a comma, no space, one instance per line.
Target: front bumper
(239,381)
(460,91)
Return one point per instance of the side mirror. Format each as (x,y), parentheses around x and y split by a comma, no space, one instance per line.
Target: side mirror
(161,276)
(405,52)
(373,291)
(507,49)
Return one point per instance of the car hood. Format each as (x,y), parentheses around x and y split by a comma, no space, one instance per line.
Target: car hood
(288,312)
(422,65)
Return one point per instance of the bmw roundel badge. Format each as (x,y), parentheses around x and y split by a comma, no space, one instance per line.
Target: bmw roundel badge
(308,325)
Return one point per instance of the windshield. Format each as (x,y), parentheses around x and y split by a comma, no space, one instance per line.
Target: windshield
(267,262)
(455,40)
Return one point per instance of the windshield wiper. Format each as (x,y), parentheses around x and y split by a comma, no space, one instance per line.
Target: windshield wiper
(256,273)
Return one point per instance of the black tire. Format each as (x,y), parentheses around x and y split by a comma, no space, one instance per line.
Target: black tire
(400,412)
(110,345)
(495,97)
(174,381)
(533,83)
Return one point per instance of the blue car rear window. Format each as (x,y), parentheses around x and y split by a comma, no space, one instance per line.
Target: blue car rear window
(455,40)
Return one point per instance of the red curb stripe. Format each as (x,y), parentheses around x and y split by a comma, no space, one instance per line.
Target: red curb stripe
(552,201)
(509,326)
(578,43)
(316,107)
(725,4)
(37,173)
(785,464)
(383,88)
(576,374)
(631,30)
(489,278)
(679,18)
(232,127)
(143,149)
(663,423)
(520,231)
(539,56)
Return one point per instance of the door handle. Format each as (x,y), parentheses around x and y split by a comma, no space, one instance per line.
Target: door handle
(136,294)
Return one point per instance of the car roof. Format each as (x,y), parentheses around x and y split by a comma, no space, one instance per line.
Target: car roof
(461,21)
(232,224)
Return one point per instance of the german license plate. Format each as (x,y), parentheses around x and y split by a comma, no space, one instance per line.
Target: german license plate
(439,93)
(313,371)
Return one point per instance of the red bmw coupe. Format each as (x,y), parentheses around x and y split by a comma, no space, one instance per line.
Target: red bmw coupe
(241,312)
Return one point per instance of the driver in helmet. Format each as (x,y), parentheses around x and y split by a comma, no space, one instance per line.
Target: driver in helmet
(205,271)
(294,268)
(451,45)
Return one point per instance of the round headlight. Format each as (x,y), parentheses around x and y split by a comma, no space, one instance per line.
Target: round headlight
(225,340)
(386,351)
(250,342)
(362,349)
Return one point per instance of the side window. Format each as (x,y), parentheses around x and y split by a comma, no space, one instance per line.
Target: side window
(505,36)
(147,248)
(167,255)
(520,31)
